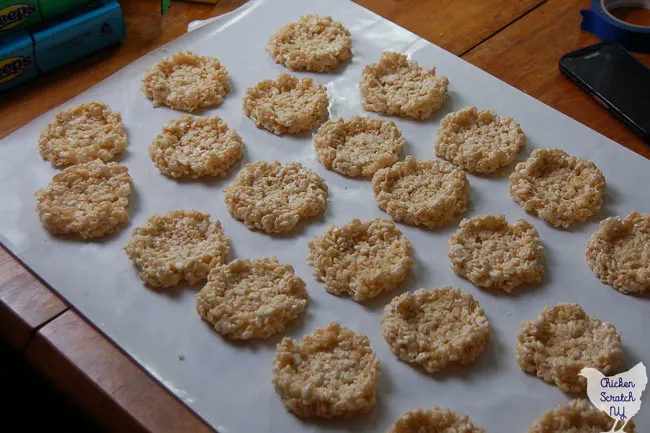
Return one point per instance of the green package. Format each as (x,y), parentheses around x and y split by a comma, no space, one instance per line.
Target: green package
(20,14)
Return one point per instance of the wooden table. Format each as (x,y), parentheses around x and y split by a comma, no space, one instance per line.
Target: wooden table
(519,41)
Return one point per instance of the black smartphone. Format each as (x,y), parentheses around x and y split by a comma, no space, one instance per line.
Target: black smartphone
(616,80)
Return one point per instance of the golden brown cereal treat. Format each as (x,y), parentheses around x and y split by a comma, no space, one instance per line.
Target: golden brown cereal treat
(577,416)
(434,420)
(479,141)
(493,254)
(361,259)
(561,189)
(619,253)
(312,43)
(419,192)
(435,327)
(332,373)
(359,146)
(286,105)
(178,245)
(89,200)
(397,86)
(251,299)
(82,134)
(193,147)
(273,197)
(564,340)
(186,82)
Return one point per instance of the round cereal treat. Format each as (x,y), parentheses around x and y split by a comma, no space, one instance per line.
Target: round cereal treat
(397,86)
(251,299)
(273,197)
(178,245)
(562,341)
(559,188)
(358,147)
(194,147)
(89,200)
(577,416)
(435,328)
(186,82)
(361,259)
(619,253)
(479,141)
(434,420)
(286,105)
(82,134)
(493,254)
(332,373)
(312,43)
(420,192)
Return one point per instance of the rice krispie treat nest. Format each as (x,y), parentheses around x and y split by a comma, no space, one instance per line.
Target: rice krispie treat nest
(89,200)
(491,253)
(312,43)
(434,420)
(479,141)
(193,147)
(619,253)
(435,327)
(273,197)
(577,416)
(562,341)
(361,259)
(82,134)
(397,86)
(178,245)
(359,146)
(251,299)
(286,105)
(420,192)
(332,373)
(561,189)
(186,81)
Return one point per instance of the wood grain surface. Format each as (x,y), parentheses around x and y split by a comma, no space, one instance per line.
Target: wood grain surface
(526,55)
(524,51)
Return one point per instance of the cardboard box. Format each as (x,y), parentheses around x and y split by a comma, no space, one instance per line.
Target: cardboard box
(26,54)
(21,14)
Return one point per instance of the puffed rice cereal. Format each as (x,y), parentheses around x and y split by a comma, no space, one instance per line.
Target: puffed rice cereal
(435,328)
(82,134)
(434,420)
(286,105)
(359,146)
(178,245)
(332,373)
(273,197)
(577,416)
(562,341)
(479,141)
(186,81)
(420,192)
(397,86)
(619,253)
(559,188)
(312,43)
(89,200)
(193,147)
(491,253)
(361,259)
(251,299)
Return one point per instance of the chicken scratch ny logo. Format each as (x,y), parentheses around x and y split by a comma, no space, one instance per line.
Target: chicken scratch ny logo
(618,396)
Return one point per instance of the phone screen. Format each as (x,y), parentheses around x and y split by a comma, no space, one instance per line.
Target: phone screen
(617,77)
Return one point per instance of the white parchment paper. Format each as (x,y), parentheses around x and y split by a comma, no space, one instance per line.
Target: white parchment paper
(228,384)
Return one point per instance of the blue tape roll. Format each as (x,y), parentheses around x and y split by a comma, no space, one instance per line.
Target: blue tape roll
(599,21)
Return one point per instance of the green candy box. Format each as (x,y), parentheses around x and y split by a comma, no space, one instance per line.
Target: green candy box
(20,14)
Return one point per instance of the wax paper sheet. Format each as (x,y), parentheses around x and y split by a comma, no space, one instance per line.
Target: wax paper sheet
(229,385)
